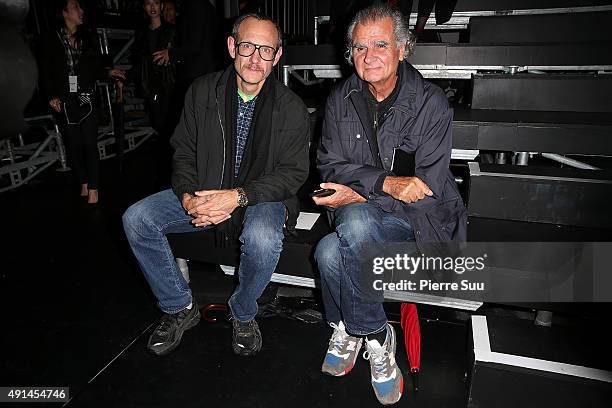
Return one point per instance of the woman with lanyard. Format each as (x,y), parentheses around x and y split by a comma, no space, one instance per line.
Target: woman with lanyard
(70,66)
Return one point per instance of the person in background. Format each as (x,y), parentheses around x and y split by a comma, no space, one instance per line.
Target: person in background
(195,51)
(70,64)
(154,82)
(444,11)
(169,12)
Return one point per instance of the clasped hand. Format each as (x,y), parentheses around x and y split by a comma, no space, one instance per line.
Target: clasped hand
(210,207)
(406,189)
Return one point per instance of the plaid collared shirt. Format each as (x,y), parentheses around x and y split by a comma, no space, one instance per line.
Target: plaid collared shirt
(243,125)
(72,54)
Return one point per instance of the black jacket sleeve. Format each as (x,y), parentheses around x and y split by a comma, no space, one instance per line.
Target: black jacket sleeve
(183,141)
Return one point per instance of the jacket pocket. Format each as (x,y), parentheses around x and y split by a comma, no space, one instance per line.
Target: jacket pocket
(353,140)
(447,222)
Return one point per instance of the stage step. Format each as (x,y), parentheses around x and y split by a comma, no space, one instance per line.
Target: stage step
(529,131)
(555,28)
(517,364)
(550,195)
(533,92)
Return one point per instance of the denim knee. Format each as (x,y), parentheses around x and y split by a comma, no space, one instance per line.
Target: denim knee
(327,252)
(356,221)
(261,236)
(139,220)
(133,219)
(262,241)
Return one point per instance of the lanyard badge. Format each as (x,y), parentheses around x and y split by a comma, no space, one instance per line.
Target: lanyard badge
(73,83)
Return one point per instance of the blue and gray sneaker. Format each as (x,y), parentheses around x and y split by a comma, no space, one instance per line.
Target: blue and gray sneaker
(387,379)
(342,352)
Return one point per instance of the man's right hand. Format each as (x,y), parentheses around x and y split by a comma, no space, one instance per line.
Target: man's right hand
(56,104)
(406,189)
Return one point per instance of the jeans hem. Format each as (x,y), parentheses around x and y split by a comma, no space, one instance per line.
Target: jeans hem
(362,333)
(176,310)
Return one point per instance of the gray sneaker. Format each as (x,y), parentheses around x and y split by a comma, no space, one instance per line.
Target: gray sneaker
(342,352)
(387,379)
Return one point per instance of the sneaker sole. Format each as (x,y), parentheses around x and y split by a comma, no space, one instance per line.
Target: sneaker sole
(348,369)
(399,397)
(239,351)
(192,323)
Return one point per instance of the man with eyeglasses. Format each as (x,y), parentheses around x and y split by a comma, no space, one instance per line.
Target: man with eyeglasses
(241,153)
(384,107)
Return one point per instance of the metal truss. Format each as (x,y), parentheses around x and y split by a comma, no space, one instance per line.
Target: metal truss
(22,159)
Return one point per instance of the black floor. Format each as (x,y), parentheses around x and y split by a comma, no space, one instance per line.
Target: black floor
(76,312)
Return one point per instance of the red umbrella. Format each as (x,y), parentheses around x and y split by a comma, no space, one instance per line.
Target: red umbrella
(412,340)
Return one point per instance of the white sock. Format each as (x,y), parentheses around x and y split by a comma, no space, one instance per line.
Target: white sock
(189,306)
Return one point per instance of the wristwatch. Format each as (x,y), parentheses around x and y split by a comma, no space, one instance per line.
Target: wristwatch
(243,201)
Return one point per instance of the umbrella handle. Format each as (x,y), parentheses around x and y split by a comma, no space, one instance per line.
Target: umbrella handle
(119,91)
(212,306)
(414,373)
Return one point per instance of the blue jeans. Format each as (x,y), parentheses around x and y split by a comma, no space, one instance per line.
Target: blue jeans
(147,222)
(357,226)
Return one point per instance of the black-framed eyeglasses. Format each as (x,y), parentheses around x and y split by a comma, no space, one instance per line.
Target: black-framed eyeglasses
(246,49)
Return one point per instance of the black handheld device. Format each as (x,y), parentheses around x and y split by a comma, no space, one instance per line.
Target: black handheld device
(323,192)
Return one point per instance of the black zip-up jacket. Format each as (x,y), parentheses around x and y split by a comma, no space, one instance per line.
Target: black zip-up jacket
(199,143)
(195,51)
(53,66)
(150,78)
(419,121)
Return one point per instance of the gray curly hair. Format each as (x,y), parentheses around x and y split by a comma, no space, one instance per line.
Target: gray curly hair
(377,12)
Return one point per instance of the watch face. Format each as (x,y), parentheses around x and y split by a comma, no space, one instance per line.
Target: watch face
(242,198)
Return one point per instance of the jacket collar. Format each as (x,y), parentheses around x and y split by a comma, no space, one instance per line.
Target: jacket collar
(220,86)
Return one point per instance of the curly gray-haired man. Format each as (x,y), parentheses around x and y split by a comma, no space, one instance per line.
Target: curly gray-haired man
(385,106)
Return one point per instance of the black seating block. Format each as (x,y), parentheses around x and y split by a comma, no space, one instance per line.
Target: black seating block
(481,229)
(551,195)
(296,258)
(575,342)
(538,55)
(541,28)
(428,54)
(533,92)
(323,54)
(550,132)
(472,55)
(503,5)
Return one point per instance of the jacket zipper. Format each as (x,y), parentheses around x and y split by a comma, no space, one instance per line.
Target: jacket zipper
(223,136)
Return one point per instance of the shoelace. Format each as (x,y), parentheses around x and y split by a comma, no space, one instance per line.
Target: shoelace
(243,329)
(378,356)
(338,338)
(166,323)
(167,320)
